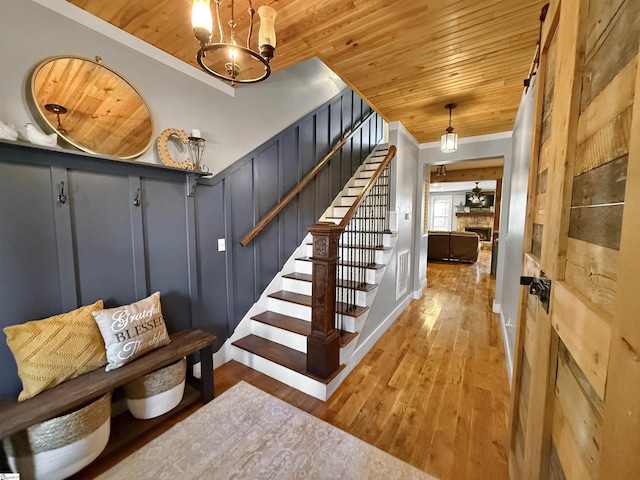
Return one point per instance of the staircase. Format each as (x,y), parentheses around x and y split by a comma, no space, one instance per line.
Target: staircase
(273,337)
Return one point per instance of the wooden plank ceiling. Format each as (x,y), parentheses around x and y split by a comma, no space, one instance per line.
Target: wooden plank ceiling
(407,58)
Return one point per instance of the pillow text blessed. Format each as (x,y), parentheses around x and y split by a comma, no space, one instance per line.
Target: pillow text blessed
(132,330)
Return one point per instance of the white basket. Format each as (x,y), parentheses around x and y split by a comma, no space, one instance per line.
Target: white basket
(157,392)
(61,446)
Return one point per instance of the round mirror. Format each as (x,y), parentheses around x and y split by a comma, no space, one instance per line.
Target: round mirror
(92,107)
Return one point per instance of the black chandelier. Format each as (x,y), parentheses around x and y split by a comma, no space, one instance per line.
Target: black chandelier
(476,194)
(227,60)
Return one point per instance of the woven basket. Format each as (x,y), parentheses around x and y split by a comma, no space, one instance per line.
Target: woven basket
(61,446)
(157,392)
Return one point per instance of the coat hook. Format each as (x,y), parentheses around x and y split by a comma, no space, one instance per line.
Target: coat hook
(136,201)
(62,198)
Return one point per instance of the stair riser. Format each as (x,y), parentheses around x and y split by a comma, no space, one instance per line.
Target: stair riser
(354,190)
(361,297)
(304,288)
(379,256)
(296,286)
(360,182)
(349,240)
(340,211)
(287,308)
(360,225)
(371,275)
(364,226)
(304,266)
(352,324)
(346,201)
(351,273)
(366,173)
(369,210)
(278,335)
(283,374)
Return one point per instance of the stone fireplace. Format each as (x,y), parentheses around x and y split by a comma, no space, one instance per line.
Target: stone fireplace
(483,232)
(480,222)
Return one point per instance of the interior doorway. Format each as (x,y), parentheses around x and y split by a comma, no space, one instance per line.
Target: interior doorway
(461,199)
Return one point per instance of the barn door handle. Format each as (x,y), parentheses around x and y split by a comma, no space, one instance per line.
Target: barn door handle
(540,287)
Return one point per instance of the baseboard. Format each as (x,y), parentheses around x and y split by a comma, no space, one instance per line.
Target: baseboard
(496,307)
(364,347)
(417,294)
(508,353)
(222,356)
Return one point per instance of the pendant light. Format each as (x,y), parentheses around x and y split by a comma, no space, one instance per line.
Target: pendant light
(449,140)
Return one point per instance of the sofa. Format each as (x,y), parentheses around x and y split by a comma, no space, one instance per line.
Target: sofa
(459,246)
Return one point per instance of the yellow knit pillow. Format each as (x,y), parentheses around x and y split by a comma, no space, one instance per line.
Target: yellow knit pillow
(56,349)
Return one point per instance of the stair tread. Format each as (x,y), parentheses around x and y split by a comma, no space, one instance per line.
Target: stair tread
(372,266)
(303,277)
(285,322)
(306,300)
(354,311)
(346,337)
(292,297)
(362,287)
(306,277)
(285,356)
(295,325)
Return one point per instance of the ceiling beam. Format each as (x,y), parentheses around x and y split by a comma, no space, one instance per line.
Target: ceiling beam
(469,175)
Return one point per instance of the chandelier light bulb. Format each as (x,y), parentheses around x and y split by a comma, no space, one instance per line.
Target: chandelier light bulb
(267,33)
(201,20)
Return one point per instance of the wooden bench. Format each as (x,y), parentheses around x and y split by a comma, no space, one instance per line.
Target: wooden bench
(71,394)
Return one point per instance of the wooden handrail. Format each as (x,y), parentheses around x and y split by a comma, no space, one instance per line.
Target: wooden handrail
(298,188)
(387,159)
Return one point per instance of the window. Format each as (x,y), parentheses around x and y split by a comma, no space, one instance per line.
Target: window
(441,212)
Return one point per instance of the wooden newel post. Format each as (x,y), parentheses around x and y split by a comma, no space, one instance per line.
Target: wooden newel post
(323,344)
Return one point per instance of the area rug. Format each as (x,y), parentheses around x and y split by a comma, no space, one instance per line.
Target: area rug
(246,433)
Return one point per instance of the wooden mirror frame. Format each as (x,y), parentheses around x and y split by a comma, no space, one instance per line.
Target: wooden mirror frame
(103,113)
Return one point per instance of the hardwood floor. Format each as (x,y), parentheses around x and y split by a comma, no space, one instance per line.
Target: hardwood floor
(433,391)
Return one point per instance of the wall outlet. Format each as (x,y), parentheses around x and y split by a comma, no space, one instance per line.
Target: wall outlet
(222,245)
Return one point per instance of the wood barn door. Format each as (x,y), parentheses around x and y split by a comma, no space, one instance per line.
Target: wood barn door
(569,410)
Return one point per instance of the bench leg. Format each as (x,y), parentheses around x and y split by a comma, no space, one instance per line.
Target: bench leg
(206,374)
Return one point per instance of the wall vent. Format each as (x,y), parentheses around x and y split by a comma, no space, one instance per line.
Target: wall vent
(402,277)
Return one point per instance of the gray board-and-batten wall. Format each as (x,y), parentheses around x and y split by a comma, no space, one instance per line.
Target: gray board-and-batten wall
(55,257)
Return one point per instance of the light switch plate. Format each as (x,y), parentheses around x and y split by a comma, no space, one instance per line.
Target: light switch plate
(222,245)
